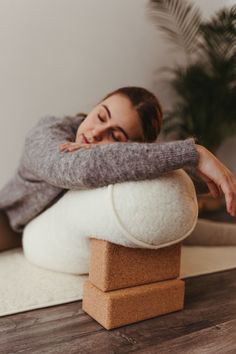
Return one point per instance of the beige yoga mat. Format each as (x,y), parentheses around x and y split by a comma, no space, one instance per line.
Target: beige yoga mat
(25,287)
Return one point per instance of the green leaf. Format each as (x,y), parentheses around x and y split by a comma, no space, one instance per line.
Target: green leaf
(179,20)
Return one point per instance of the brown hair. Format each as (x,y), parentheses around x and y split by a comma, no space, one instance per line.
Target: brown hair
(147,106)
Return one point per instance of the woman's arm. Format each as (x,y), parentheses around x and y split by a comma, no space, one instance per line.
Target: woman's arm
(106,164)
(208,175)
(101,164)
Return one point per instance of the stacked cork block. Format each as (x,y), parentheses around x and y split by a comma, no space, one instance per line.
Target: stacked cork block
(128,285)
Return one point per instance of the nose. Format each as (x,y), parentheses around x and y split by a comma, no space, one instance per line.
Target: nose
(98,133)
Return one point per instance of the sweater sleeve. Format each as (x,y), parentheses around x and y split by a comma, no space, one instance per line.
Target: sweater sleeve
(99,165)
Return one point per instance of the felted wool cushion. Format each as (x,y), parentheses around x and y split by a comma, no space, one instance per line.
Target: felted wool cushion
(141,214)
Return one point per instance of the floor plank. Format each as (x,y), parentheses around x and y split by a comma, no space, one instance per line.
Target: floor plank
(220,338)
(208,318)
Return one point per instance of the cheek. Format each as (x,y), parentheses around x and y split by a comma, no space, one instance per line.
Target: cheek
(86,125)
(80,130)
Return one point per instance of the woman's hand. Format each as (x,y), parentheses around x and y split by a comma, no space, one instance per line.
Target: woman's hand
(217,177)
(72,146)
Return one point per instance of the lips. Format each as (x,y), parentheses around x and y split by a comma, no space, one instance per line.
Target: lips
(85,140)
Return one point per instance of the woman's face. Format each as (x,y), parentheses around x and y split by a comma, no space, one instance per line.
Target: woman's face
(112,120)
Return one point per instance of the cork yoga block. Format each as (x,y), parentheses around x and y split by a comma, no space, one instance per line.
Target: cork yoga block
(125,306)
(114,267)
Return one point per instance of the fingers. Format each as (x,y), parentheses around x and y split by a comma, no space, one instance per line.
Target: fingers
(229,188)
(73,148)
(214,189)
(70,146)
(64,146)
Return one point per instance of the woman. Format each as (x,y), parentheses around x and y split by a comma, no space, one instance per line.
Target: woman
(112,144)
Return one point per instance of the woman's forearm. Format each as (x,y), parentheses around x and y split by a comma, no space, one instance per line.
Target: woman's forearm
(118,162)
(102,164)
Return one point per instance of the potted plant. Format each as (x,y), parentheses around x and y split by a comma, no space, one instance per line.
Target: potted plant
(205,84)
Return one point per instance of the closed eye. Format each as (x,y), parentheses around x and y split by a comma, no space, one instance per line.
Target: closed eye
(113,136)
(102,120)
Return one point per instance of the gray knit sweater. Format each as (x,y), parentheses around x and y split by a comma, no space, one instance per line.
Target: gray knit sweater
(45,173)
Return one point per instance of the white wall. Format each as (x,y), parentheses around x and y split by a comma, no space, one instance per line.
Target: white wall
(62,56)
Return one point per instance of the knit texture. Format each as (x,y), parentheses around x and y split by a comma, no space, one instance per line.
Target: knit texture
(45,173)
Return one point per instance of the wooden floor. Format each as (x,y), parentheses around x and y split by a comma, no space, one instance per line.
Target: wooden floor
(207,324)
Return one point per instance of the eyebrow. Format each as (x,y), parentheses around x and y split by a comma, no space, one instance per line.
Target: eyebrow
(117,126)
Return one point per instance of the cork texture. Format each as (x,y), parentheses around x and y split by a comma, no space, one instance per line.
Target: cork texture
(125,306)
(113,267)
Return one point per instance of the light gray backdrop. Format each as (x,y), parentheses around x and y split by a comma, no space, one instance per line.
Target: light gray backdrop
(62,56)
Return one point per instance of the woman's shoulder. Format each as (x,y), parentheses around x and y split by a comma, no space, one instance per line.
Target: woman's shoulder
(55,125)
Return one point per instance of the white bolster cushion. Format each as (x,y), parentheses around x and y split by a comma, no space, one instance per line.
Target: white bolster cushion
(141,214)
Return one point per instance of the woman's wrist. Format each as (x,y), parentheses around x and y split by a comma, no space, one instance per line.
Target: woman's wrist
(199,148)
(201,151)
